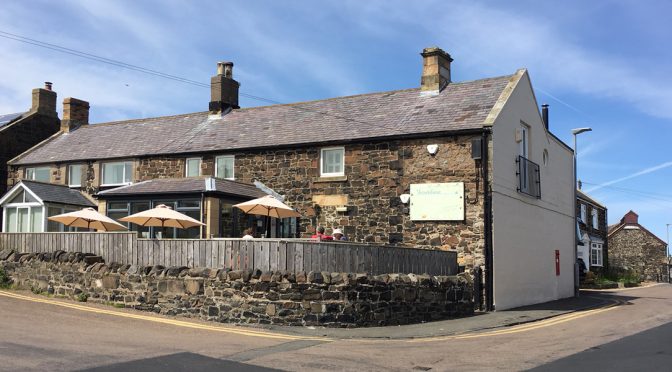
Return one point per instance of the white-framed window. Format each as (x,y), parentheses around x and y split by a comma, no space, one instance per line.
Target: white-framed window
(332,161)
(75,175)
(193,167)
(224,166)
(595,254)
(42,174)
(593,213)
(117,173)
(524,140)
(583,213)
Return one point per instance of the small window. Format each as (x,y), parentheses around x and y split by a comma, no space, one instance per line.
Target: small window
(332,162)
(224,167)
(583,213)
(75,175)
(596,254)
(545,157)
(42,174)
(193,167)
(117,173)
(524,140)
(595,220)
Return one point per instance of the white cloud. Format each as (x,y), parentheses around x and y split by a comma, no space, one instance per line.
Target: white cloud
(633,175)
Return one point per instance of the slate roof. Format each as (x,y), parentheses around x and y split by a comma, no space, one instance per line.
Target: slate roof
(185,186)
(589,199)
(8,118)
(460,106)
(58,193)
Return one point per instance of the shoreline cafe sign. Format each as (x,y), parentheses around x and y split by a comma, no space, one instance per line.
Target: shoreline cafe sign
(437,201)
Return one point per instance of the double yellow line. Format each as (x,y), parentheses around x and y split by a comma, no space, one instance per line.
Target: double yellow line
(155,319)
(525,327)
(265,334)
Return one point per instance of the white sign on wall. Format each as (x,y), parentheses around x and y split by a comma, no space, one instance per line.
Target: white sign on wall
(437,201)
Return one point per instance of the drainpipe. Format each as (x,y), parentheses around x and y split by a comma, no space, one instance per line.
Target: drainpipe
(204,229)
(487,224)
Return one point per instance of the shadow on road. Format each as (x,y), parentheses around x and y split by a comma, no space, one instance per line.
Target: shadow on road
(650,350)
(180,362)
(586,300)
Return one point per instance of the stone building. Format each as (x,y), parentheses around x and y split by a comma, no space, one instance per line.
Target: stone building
(593,229)
(21,131)
(634,248)
(467,166)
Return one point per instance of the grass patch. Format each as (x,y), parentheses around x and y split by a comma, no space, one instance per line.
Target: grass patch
(83,297)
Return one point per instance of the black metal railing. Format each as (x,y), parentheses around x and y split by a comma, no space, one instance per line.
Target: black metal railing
(529,181)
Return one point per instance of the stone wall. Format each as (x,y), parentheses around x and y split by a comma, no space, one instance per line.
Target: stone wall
(18,137)
(635,249)
(255,297)
(376,173)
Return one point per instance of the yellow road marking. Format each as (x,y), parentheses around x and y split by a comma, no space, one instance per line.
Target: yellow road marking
(253,333)
(523,327)
(179,323)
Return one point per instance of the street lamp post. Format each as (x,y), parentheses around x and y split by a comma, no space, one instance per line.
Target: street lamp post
(576,132)
(667,251)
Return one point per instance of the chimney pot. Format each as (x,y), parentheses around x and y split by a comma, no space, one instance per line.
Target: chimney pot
(435,70)
(47,85)
(225,68)
(75,114)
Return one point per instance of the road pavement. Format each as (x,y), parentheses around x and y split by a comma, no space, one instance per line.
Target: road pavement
(40,333)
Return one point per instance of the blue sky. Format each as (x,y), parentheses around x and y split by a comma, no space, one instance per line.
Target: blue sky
(603,64)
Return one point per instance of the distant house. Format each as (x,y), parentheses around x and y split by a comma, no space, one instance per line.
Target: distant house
(467,166)
(633,247)
(593,229)
(23,130)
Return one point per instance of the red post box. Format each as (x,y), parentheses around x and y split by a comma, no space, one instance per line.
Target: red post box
(557,262)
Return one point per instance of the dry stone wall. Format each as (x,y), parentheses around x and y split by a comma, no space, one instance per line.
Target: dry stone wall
(285,298)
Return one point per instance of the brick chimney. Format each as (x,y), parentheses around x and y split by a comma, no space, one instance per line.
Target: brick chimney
(435,70)
(223,90)
(630,218)
(44,100)
(75,114)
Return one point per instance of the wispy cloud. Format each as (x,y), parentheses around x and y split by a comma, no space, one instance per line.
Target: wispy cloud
(500,39)
(631,176)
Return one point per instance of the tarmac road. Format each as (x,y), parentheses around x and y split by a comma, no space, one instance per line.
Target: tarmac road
(39,333)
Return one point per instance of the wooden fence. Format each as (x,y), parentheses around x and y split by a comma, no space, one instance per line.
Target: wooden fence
(237,254)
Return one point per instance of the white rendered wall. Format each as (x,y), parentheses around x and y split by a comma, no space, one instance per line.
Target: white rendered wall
(527,230)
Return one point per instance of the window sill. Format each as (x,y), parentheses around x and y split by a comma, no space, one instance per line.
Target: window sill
(330,179)
(74,186)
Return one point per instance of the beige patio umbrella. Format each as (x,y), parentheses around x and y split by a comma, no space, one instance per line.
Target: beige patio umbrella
(88,218)
(162,216)
(267,206)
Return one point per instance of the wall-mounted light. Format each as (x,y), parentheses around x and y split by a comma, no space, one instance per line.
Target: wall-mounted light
(405,198)
(432,149)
